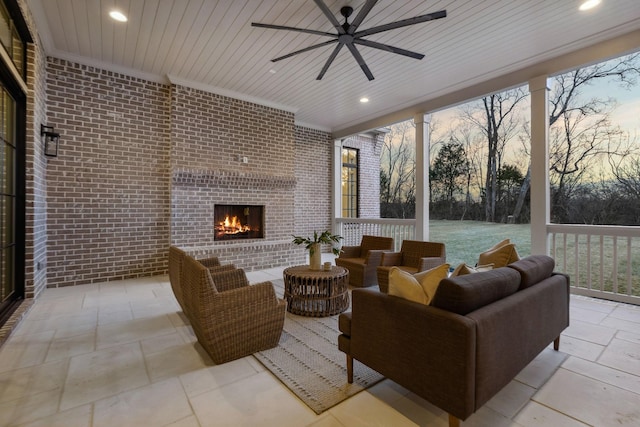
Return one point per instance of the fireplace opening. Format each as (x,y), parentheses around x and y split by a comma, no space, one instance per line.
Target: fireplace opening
(238,222)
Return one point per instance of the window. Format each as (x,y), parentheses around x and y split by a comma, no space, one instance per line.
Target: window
(349,183)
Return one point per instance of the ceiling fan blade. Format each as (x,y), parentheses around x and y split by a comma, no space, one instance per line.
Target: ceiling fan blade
(402,23)
(306,49)
(361,15)
(388,48)
(329,61)
(360,61)
(327,12)
(301,30)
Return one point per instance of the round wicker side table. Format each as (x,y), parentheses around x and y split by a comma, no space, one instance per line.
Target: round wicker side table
(316,293)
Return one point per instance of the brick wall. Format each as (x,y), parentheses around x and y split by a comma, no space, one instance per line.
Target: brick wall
(142,164)
(314,149)
(108,189)
(36,188)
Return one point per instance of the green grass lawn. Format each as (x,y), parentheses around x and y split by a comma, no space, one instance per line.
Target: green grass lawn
(465,240)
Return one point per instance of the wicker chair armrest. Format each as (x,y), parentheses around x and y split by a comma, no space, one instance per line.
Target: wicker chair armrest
(391,258)
(210,262)
(245,301)
(227,280)
(350,252)
(428,263)
(374,256)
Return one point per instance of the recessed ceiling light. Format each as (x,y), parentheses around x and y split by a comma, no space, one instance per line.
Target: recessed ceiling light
(589,4)
(364,99)
(118,16)
(272,71)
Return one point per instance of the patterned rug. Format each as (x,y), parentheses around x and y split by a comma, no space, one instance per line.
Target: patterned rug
(308,362)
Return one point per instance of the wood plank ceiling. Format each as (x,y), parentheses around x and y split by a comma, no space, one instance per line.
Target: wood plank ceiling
(211,44)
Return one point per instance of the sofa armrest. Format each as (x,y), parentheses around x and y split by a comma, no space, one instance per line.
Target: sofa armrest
(349,252)
(391,258)
(424,349)
(373,257)
(512,331)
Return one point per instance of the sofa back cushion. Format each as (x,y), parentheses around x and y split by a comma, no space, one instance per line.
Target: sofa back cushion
(464,294)
(533,269)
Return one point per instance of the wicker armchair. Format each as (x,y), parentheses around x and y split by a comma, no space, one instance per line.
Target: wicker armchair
(176,256)
(231,318)
(414,256)
(361,261)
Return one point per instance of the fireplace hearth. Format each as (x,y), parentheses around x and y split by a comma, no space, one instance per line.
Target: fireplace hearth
(236,222)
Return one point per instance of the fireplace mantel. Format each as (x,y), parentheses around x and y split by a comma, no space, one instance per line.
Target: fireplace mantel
(232,179)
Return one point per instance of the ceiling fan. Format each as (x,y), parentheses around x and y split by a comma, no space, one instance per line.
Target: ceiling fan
(348,36)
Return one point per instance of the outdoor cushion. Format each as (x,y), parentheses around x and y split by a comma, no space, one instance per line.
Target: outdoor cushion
(463,269)
(533,269)
(464,294)
(499,256)
(419,287)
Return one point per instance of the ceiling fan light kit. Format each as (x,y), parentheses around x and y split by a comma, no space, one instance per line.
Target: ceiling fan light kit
(348,36)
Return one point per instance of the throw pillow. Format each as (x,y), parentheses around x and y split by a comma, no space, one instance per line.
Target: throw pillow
(430,279)
(500,256)
(463,269)
(404,285)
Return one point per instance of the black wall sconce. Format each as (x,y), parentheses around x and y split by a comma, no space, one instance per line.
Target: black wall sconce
(50,140)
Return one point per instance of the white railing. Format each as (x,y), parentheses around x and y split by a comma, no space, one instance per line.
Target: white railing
(602,261)
(352,229)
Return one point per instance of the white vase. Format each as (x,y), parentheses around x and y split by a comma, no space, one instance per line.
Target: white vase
(315,257)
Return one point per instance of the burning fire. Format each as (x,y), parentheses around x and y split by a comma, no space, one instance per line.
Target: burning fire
(232,226)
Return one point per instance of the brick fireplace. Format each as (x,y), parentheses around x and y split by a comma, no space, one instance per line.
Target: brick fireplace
(248,165)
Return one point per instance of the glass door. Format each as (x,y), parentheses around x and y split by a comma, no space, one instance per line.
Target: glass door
(9,289)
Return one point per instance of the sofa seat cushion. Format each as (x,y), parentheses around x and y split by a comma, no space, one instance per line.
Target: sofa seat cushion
(533,269)
(464,294)
(419,287)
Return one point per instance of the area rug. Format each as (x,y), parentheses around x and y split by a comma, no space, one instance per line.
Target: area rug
(308,362)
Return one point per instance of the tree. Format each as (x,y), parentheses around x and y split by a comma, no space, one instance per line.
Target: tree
(448,173)
(497,116)
(581,131)
(397,177)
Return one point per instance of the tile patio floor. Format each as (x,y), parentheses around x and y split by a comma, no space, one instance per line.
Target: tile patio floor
(120,354)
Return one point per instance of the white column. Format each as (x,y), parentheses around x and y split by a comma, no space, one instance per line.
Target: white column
(540,205)
(336,187)
(422,175)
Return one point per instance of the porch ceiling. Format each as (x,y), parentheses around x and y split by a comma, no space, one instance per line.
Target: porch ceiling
(211,45)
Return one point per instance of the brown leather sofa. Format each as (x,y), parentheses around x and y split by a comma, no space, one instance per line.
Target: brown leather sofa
(477,334)
(362,260)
